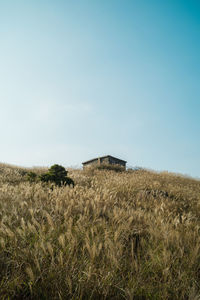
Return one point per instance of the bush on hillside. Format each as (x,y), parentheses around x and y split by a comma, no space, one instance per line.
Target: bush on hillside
(31,176)
(58,175)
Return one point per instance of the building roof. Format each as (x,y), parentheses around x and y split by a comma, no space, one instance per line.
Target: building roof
(91,160)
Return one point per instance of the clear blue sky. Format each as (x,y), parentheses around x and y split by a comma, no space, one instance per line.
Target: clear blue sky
(79,79)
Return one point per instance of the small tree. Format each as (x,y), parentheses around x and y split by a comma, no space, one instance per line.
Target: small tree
(58,175)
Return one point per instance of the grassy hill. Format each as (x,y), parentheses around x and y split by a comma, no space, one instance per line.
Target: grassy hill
(115,235)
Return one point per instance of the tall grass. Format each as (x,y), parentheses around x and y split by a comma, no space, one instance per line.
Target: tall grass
(125,235)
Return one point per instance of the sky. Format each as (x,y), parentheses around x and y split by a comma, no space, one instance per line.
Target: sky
(87,78)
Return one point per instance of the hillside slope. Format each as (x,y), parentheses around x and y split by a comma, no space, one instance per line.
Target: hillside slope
(126,235)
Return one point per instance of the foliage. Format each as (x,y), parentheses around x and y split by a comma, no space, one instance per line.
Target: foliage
(114,236)
(31,176)
(58,175)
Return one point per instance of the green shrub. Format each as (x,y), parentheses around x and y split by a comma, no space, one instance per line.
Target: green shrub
(31,176)
(58,175)
(22,172)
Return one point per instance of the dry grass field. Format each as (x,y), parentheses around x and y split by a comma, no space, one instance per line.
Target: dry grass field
(115,235)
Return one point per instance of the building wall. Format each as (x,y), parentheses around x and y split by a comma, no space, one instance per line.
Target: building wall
(90,164)
(116,162)
(105,160)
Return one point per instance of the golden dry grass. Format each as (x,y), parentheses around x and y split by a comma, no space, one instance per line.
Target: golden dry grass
(129,235)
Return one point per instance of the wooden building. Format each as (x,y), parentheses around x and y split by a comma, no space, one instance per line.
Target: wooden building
(108,159)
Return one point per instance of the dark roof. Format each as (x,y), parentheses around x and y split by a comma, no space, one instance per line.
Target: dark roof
(91,160)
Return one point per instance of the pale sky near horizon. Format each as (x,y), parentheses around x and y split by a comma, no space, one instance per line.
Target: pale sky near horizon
(86,78)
